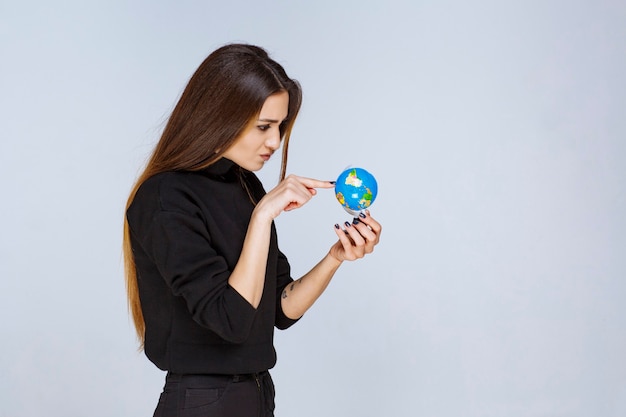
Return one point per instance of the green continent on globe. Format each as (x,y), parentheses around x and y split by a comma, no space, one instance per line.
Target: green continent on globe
(366,198)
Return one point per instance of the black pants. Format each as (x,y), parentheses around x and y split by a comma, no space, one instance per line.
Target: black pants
(250,395)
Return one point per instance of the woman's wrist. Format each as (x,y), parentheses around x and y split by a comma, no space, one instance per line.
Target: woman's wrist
(333,259)
(261,216)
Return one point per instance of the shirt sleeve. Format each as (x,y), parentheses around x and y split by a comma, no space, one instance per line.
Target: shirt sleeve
(180,246)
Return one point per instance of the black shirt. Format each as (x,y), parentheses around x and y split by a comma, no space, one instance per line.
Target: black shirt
(187,231)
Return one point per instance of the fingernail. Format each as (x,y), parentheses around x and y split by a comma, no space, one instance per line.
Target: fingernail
(362,215)
(332,182)
(355,221)
(347,224)
(336,226)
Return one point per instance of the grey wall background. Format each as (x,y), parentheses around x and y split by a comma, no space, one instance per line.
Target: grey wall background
(496,131)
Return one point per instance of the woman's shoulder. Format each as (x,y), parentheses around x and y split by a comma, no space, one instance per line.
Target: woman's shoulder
(166,191)
(164,180)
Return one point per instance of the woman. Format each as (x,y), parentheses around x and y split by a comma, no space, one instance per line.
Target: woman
(206,281)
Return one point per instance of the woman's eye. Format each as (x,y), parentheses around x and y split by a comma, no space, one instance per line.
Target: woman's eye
(263,127)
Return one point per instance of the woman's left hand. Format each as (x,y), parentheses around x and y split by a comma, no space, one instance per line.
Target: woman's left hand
(356,239)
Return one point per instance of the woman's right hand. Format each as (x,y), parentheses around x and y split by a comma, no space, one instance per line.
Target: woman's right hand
(291,193)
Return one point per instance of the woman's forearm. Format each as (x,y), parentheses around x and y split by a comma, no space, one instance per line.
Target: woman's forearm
(248,276)
(300,295)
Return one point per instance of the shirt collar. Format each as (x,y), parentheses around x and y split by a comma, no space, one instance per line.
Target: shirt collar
(223,168)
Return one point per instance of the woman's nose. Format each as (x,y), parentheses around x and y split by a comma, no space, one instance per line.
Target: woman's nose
(273,140)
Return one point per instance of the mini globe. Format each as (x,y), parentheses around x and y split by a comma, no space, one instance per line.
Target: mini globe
(356,190)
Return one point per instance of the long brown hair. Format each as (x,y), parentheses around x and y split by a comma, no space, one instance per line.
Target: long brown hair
(225,93)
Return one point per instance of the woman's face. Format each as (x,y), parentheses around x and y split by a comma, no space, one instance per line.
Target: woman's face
(261,138)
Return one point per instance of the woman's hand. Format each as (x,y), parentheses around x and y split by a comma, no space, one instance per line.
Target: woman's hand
(291,193)
(357,238)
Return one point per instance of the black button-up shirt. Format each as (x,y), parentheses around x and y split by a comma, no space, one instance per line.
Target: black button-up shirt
(187,231)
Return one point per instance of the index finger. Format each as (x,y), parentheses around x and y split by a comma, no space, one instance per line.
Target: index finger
(313,183)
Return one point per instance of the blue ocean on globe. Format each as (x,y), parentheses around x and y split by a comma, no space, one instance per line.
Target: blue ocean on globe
(356,190)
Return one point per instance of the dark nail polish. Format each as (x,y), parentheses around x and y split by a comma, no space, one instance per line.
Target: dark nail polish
(332,182)
(355,221)
(336,226)
(362,215)
(348,224)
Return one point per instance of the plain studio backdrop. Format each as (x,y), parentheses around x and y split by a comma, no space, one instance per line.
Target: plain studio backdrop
(497,133)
